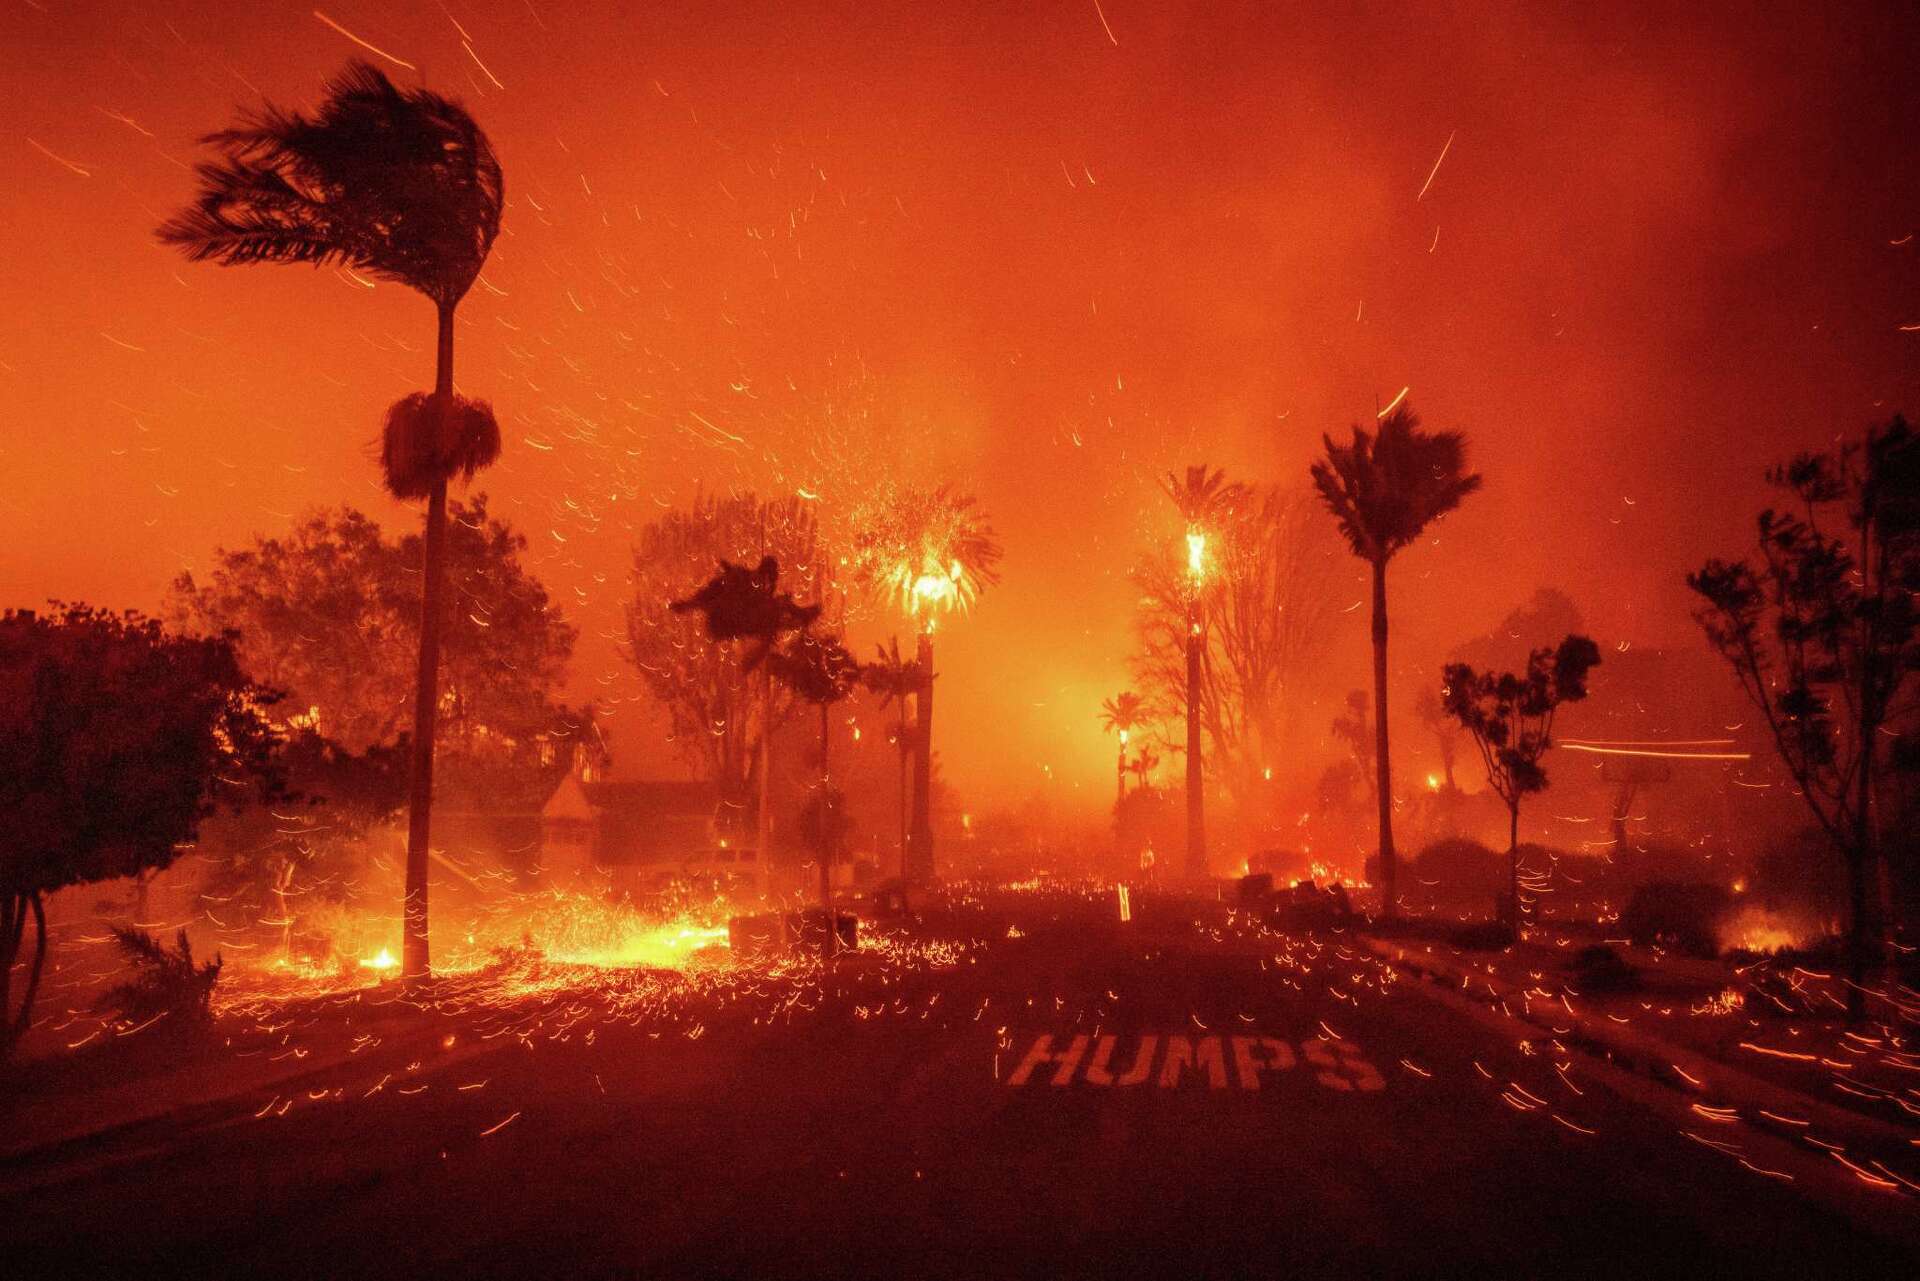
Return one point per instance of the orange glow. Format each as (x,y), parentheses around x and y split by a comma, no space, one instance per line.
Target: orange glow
(1196,555)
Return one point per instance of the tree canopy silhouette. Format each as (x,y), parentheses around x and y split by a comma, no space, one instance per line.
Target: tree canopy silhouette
(717,720)
(1821,626)
(116,740)
(401,184)
(1383,490)
(1510,717)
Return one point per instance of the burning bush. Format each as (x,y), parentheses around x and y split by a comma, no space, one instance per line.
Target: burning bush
(167,982)
(1685,915)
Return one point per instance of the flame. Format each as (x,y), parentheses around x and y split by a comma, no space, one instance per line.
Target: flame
(1755,929)
(381,960)
(1196,554)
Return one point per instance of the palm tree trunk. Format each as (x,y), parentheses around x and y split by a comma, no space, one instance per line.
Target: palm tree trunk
(416,963)
(13,915)
(827,832)
(1513,865)
(1196,775)
(900,753)
(1120,780)
(920,865)
(1384,772)
(13,1027)
(763,820)
(1864,927)
(1623,801)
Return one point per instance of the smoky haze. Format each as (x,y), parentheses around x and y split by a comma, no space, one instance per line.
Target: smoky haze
(1634,253)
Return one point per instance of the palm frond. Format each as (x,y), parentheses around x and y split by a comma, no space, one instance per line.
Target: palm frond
(1203,495)
(1385,489)
(401,184)
(428,440)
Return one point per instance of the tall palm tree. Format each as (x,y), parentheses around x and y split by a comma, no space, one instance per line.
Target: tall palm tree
(403,185)
(896,679)
(1384,490)
(819,669)
(932,551)
(1204,500)
(1122,714)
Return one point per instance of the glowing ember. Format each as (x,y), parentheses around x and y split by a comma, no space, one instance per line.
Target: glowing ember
(384,959)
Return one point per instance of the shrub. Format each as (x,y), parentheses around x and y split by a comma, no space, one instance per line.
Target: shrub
(166,981)
(1458,871)
(1685,915)
(1487,936)
(1601,968)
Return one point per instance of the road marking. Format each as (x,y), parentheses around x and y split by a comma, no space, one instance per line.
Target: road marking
(1219,1062)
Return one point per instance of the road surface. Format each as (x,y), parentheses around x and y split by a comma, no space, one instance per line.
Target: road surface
(1178,1094)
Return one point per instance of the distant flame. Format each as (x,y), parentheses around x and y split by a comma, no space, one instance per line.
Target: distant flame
(1755,929)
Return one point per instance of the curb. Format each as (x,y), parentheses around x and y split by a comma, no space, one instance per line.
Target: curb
(1680,1069)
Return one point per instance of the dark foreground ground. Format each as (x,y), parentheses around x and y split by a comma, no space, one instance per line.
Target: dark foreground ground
(868,1125)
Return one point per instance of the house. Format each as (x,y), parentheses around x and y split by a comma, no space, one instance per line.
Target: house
(646,832)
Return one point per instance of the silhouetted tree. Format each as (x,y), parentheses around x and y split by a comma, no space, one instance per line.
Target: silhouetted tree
(721,724)
(330,613)
(1205,502)
(927,552)
(1353,728)
(818,669)
(309,847)
(1445,730)
(746,607)
(1384,490)
(1270,605)
(403,185)
(1145,761)
(1548,612)
(1121,715)
(167,982)
(896,679)
(1511,720)
(116,740)
(1821,627)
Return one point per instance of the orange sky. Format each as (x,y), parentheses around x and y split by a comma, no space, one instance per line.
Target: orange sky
(994,244)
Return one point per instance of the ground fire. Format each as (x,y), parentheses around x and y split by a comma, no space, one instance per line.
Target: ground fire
(979,640)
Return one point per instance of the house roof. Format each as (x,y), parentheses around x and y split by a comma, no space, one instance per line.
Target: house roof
(642,799)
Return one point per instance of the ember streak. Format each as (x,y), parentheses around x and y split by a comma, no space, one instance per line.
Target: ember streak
(496,489)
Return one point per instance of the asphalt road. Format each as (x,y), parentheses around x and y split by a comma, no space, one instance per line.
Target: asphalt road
(1240,1105)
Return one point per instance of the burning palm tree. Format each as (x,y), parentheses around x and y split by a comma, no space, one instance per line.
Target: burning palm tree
(1122,714)
(930,552)
(1384,490)
(1205,501)
(402,185)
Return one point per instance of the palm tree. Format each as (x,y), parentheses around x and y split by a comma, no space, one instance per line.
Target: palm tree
(741,604)
(1384,490)
(1144,763)
(1204,499)
(1122,714)
(402,185)
(820,670)
(932,551)
(896,679)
